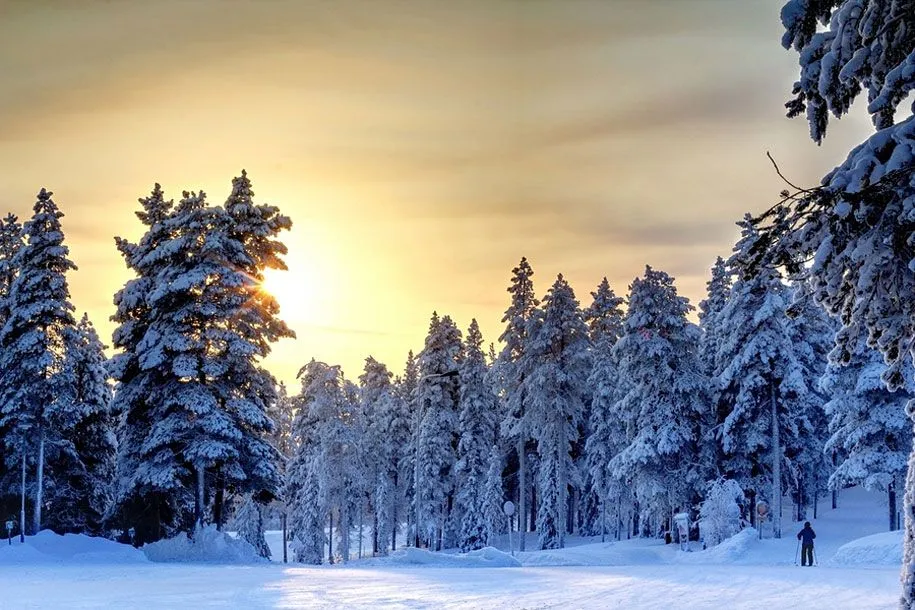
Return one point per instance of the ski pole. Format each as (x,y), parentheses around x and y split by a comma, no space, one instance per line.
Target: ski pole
(797,551)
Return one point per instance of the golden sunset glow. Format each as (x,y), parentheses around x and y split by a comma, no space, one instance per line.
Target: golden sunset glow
(420,148)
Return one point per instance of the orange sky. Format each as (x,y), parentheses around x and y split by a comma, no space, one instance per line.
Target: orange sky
(420,147)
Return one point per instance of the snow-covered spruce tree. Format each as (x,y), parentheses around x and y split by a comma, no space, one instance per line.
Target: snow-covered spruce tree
(388,432)
(252,324)
(314,478)
(719,513)
(718,291)
(812,335)
(10,243)
(151,495)
(37,416)
(374,386)
(856,227)
(477,425)
(870,434)
(249,523)
(282,414)
(605,325)
(514,425)
(192,340)
(765,391)
(663,398)
(494,497)
(80,503)
(405,392)
(435,439)
(555,367)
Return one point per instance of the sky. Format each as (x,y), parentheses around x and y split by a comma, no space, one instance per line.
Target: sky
(421,148)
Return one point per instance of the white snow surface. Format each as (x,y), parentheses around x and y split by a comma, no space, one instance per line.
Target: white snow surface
(858,569)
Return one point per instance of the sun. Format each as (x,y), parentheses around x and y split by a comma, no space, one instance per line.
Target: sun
(300,295)
(292,292)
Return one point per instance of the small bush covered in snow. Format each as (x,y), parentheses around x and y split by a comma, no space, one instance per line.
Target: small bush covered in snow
(209,545)
(719,515)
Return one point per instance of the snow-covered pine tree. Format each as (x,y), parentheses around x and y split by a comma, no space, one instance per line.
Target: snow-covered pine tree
(405,391)
(435,439)
(494,497)
(80,504)
(870,434)
(251,324)
(812,335)
(555,367)
(314,477)
(605,325)
(718,290)
(514,426)
(764,389)
(249,523)
(10,243)
(388,431)
(36,414)
(477,425)
(282,414)
(663,398)
(150,496)
(856,228)
(196,335)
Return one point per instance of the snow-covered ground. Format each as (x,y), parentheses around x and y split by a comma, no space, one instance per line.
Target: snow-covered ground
(859,569)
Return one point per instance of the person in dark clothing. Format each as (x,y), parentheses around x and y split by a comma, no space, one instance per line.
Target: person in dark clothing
(806,537)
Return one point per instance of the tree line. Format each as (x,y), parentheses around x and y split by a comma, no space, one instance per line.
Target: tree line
(594,420)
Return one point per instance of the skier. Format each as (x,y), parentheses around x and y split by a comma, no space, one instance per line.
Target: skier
(806,537)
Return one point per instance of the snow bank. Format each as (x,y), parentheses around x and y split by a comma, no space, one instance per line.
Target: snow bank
(879,549)
(48,547)
(739,546)
(487,557)
(209,546)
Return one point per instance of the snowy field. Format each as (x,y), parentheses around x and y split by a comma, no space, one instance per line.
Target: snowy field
(859,569)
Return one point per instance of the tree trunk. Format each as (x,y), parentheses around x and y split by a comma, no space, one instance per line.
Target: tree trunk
(374,531)
(816,495)
(394,517)
(22,508)
(891,497)
(533,511)
(776,469)
(522,489)
(219,500)
(283,518)
(908,537)
(198,502)
(330,538)
(39,499)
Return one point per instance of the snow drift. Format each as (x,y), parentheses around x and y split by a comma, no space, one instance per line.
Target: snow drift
(209,546)
(48,547)
(487,557)
(879,549)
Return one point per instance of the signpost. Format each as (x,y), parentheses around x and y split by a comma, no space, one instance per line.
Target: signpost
(762,511)
(509,509)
